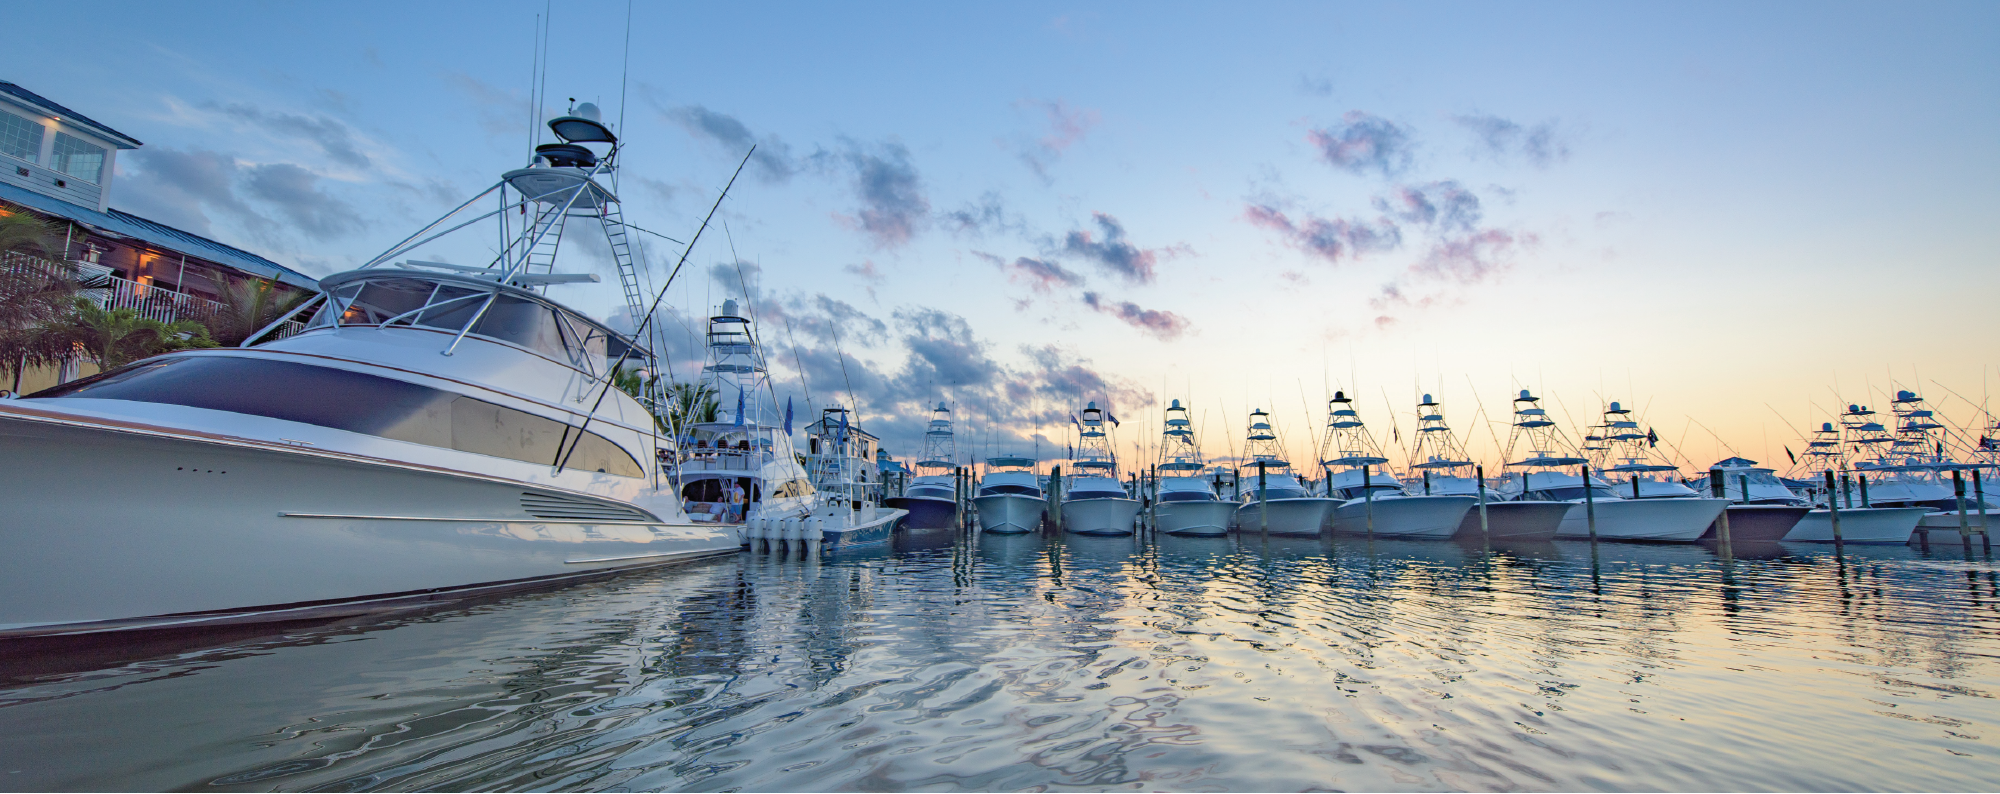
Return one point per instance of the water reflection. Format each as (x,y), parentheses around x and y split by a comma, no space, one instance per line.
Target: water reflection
(1012,662)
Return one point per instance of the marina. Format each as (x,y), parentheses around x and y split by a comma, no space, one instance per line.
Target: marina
(997,399)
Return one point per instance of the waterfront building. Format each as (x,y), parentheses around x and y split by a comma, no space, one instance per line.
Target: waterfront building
(58,165)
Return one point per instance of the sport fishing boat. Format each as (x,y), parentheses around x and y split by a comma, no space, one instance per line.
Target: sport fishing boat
(1914,471)
(1761,507)
(1185,502)
(1271,498)
(841,463)
(435,431)
(1636,472)
(734,461)
(1010,499)
(1859,523)
(1094,502)
(932,496)
(1541,475)
(1375,502)
(1446,469)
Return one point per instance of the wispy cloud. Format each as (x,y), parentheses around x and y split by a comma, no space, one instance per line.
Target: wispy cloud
(893,205)
(335,138)
(773,161)
(1328,239)
(1362,143)
(1041,275)
(1447,206)
(1163,325)
(1111,251)
(1065,127)
(297,195)
(1541,145)
(985,216)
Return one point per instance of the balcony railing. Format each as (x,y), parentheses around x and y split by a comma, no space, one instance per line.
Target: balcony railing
(150,301)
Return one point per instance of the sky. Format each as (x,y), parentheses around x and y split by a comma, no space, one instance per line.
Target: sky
(1733,219)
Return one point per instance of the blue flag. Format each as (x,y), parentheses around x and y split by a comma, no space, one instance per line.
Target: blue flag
(1113,417)
(739,407)
(1072,420)
(788,416)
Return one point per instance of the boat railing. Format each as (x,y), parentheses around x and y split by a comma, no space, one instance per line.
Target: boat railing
(721,460)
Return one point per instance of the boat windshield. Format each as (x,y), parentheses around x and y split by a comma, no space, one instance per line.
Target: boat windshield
(390,300)
(996,490)
(1187,496)
(1097,495)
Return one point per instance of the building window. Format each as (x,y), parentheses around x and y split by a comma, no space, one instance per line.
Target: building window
(78,159)
(20,138)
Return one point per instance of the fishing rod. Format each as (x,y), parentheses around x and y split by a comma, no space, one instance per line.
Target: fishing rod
(564,450)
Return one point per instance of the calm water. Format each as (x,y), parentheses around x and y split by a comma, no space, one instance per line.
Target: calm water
(1024,663)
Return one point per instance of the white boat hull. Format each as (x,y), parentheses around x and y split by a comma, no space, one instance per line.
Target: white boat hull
(1405,516)
(1010,514)
(111,529)
(1100,516)
(1860,525)
(1658,520)
(1306,516)
(1194,518)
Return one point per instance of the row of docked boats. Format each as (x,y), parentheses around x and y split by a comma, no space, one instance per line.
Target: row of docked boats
(1612,486)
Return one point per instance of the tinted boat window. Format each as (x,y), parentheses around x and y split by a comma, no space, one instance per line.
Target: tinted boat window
(1097,495)
(992,490)
(1187,496)
(355,402)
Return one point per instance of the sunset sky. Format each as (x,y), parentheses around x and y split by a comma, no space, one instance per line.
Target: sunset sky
(1734,218)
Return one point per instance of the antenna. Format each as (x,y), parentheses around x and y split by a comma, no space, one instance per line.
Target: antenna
(562,458)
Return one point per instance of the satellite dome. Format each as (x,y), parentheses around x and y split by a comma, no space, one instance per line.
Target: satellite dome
(729,308)
(1339,397)
(1525,395)
(1614,406)
(588,110)
(1177,404)
(941,405)
(1427,399)
(1853,409)
(1826,426)
(1090,406)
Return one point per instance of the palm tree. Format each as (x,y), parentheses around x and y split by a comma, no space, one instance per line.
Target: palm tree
(116,337)
(24,233)
(247,305)
(35,294)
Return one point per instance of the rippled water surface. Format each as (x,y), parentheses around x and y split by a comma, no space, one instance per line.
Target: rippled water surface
(1092,663)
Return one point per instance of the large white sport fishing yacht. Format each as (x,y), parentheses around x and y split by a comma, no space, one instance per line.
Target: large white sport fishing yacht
(932,497)
(1272,499)
(1010,499)
(1394,511)
(1094,502)
(1542,475)
(1914,471)
(1446,469)
(1827,451)
(1185,502)
(437,430)
(738,464)
(1635,472)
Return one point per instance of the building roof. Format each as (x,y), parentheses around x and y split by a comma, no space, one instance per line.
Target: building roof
(24,95)
(121,224)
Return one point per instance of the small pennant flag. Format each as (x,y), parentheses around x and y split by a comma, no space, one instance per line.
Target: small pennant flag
(788,416)
(1652,438)
(739,407)
(1788,454)
(1113,417)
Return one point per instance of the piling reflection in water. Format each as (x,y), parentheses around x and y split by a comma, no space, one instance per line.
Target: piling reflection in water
(1012,662)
